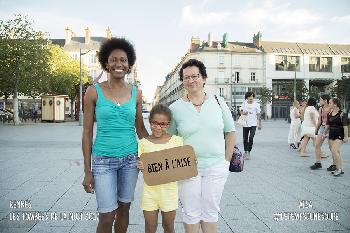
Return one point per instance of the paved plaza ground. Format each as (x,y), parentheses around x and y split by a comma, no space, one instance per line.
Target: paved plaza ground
(42,163)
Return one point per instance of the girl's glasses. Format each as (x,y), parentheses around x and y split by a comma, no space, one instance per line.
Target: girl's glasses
(160,124)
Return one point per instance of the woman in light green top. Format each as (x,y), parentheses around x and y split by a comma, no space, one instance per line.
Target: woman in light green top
(209,128)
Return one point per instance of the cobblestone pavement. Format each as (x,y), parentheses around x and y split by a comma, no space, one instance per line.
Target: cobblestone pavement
(42,163)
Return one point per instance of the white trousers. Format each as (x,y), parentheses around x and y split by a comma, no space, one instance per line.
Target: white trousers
(200,196)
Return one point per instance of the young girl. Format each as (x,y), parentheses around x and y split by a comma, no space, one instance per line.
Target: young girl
(162,197)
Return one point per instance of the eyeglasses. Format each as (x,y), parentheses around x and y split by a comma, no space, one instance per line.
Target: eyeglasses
(194,77)
(160,124)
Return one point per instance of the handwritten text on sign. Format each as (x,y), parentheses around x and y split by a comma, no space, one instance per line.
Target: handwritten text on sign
(169,165)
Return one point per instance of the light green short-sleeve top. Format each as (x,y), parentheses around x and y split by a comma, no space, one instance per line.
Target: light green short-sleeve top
(203,130)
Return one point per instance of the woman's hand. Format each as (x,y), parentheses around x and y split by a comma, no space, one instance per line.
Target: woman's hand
(88,182)
(345,140)
(139,165)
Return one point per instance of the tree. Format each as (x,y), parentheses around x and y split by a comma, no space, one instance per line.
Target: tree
(65,74)
(302,91)
(265,97)
(23,63)
(342,89)
(314,92)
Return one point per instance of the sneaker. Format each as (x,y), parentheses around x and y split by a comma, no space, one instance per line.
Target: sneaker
(332,168)
(338,172)
(316,166)
(247,155)
(342,172)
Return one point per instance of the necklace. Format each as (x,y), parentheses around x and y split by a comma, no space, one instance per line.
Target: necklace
(197,105)
(114,99)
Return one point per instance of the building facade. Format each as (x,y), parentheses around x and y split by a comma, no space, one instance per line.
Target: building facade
(89,46)
(234,68)
(86,48)
(317,65)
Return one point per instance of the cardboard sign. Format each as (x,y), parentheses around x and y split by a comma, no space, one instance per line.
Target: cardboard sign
(165,166)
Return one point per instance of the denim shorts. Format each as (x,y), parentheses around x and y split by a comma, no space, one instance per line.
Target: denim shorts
(114,180)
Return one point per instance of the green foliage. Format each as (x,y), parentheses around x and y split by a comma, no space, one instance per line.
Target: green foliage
(30,65)
(23,57)
(342,89)
(302,91)
(265,95)
(65,73)
(314,92)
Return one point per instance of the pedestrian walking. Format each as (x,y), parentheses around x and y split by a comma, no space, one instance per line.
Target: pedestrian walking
(163,197)
(308,126)
(251,109)
(294,128)
(337,125)
(321,125)
(35,111)
(117,107)
(199,119)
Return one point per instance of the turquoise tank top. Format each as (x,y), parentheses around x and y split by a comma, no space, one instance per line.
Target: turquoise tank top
(116,135)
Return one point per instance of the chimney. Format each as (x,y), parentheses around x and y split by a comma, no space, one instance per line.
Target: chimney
(257,39)
(109,33)
(195,43)
(87,35)
(225,40)
(210,40)
(69,35)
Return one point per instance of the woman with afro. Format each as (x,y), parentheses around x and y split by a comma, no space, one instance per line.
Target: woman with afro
(110,160)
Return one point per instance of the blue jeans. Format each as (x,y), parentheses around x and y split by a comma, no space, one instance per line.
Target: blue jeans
(114,180)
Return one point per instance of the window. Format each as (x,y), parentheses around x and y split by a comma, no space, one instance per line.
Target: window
(221,91)
(221,59)
(287,63)
(75,56)
(345,64)
(93,58)
(252,76)
(320,64)
(236,77)
(236,60)
(252,61)
(221,77)
(93,73)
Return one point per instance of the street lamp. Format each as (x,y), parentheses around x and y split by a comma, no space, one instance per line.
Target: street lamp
(295,79)
(234,96)
(81,90)
(295,76)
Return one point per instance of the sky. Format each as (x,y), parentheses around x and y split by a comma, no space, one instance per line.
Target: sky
(161,30)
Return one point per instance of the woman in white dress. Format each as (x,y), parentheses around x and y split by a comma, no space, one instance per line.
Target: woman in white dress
(309,125)
(294,129)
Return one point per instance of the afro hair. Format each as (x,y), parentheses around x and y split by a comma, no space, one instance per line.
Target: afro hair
(116,43)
